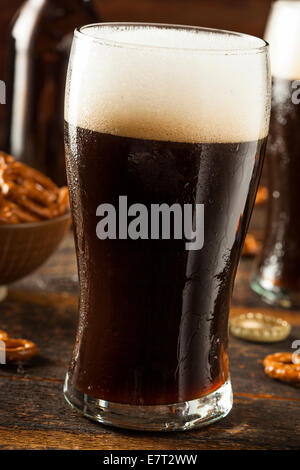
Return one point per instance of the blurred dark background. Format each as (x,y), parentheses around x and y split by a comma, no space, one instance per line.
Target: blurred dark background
(248,16)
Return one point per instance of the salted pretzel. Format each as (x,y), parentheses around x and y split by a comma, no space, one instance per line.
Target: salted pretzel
(26,195)
(17,350)
(280,366)
(11,213)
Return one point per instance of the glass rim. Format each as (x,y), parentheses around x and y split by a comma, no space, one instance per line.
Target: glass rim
(80,33)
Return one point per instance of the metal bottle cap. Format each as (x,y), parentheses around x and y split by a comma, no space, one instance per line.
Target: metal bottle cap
(259,328)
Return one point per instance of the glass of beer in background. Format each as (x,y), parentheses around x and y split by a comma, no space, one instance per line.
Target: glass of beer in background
(277,278)
(167,117)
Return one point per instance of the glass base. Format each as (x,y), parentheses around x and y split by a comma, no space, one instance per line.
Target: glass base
(275,295)
(174,417)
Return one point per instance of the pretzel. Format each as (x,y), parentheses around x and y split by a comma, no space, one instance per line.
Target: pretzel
(27,195)
(11,213)
(251,245)
(17,350)
(280,366)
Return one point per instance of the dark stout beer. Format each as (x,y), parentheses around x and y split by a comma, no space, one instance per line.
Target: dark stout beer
(280,260)
(278,274)
(161,116)
(155,324)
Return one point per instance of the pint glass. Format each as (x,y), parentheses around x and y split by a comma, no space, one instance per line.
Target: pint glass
(277,278)
(165,132)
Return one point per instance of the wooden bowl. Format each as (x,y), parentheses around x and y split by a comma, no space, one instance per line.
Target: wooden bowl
(24,247)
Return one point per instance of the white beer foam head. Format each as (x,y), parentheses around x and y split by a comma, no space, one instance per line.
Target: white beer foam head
(169,84)
(283,35)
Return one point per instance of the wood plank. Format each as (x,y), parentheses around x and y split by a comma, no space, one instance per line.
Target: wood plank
(43,412)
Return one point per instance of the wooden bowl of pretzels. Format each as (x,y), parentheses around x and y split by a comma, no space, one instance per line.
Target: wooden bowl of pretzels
(34,217)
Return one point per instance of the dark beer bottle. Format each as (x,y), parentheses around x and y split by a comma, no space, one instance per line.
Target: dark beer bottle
(40,41)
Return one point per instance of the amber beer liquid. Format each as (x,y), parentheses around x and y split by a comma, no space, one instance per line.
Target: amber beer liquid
(277,277)
(152,333)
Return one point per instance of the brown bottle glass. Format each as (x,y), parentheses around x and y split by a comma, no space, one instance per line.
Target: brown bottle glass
(39,46)
(277,277)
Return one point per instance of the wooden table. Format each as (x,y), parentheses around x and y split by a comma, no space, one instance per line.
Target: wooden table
(34,414)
